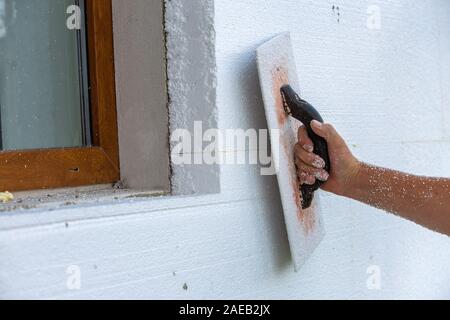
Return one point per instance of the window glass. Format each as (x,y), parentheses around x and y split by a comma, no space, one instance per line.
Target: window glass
(43,77)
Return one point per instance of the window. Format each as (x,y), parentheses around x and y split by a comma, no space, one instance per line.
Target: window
(58,119)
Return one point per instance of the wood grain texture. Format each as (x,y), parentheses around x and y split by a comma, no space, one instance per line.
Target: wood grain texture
(102,77)
(56,168)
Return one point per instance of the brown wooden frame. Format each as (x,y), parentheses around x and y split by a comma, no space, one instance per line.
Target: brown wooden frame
(70,167)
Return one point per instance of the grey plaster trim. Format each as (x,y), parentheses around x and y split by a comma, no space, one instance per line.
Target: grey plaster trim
(141,94)
(192,85)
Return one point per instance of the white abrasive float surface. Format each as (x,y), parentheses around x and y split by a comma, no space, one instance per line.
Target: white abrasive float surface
(276,66)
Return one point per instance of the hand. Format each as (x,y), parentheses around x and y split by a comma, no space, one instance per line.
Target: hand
(344,166)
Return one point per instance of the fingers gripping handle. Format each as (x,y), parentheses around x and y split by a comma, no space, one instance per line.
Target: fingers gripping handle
(321,149)
(306,113)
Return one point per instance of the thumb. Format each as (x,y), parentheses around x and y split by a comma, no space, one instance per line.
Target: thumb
(325,131)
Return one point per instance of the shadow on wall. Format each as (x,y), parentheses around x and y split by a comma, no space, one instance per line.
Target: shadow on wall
(247,81)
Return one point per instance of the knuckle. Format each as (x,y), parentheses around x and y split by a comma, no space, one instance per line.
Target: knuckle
(302,176)
(306,168)
(329,128)
(310,180)
(304,155)
(310,158)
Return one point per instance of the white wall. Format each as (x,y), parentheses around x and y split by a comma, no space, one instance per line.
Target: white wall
(386,92)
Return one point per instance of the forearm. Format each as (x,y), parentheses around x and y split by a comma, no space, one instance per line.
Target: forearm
(423,200)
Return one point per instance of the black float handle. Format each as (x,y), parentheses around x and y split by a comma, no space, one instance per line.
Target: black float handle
(305,113)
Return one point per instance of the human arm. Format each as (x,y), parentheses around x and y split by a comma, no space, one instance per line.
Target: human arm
(424,200)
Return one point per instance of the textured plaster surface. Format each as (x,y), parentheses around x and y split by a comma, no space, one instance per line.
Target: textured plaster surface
(385,90)
(192,86)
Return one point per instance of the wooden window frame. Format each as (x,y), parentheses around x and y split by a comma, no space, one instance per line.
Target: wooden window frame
(71,167)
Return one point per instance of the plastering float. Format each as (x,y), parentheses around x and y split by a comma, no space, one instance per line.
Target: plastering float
(285,111)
